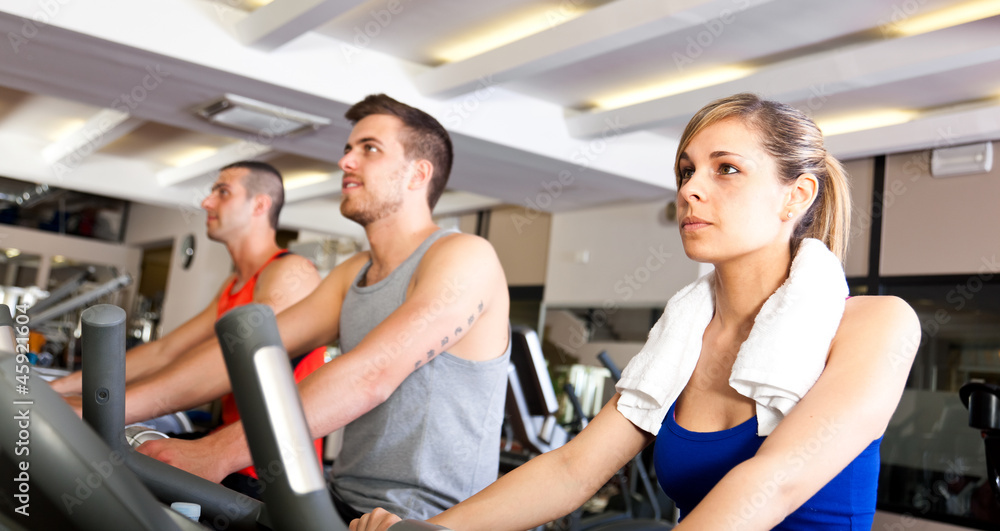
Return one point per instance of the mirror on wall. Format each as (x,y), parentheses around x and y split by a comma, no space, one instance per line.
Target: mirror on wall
(52,209)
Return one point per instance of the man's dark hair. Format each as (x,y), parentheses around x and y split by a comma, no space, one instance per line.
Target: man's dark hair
(423,137)
(263,178)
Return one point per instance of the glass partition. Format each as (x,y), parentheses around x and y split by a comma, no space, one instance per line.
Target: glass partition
(933,463)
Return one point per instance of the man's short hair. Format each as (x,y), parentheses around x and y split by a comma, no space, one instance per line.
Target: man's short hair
(262,178)
(423,137)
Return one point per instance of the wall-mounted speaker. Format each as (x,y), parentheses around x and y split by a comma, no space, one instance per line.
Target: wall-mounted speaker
(962,160)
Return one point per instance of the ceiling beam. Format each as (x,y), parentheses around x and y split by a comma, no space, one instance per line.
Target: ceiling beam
(226,155)
(321,216)
(279,22)
(210,62)
(326,188)
(600,31)
(21,158)
(456,202)
(813,79)
(100,130)
(944,129)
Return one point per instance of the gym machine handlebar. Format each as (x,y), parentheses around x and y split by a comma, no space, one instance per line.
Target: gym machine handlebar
(263,383)
(69,463)
(983,402)
(68,455)
(103,338)
(275,425)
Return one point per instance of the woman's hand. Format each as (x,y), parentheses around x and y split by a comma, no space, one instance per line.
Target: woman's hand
(377,520)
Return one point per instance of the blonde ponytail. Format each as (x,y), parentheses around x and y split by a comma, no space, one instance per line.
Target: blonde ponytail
(831,222)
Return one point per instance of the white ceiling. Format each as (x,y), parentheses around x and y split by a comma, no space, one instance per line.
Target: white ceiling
(553,105)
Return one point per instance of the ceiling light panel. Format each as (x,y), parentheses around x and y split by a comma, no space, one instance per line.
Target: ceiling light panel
(948,17)
(636,95)
(503,32)
(265,119)
(864,121)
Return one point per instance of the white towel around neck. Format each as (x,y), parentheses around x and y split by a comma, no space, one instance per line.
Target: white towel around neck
(778,363)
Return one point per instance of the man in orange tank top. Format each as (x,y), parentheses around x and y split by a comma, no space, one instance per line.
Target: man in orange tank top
(242,213)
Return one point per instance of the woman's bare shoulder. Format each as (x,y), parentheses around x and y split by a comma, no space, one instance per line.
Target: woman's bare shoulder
(879,323)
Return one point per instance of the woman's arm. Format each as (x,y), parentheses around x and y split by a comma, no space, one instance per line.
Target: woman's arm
(848,407)
(553,484)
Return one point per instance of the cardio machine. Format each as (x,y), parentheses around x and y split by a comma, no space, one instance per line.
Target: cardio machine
(531,414)
(983,402)
(78,477)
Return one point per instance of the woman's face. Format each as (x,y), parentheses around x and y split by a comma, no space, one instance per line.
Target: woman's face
(730,202)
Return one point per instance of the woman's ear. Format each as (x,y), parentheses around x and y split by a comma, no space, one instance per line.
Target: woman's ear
(802,194)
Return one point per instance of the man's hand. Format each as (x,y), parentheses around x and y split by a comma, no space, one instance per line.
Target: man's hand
(377,520)
(192,456)
(69,384)
(75,402)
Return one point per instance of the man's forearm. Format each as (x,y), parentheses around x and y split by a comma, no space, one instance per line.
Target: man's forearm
(230,445)
(338,393)
(191,381)
(139,362)
(149,399)
(71,384)
(213,457)
(143,361)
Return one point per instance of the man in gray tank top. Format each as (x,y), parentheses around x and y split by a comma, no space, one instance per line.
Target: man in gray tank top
(422,321)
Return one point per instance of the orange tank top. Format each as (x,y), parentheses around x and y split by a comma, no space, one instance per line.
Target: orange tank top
(302,366)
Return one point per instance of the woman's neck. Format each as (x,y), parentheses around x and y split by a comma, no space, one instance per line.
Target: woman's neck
(743,285)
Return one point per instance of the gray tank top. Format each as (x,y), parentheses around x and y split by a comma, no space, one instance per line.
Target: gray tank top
(436,440)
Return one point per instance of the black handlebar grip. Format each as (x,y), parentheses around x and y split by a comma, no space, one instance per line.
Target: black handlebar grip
(268,401)
(103,349)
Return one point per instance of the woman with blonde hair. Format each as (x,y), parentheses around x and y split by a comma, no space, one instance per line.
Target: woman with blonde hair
(766,387)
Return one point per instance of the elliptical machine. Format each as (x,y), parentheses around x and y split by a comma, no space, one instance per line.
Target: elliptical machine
(983,402)
(93,484)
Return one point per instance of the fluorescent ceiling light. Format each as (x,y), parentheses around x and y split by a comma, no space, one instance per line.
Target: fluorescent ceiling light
(868,120)
(190,155)
(307,178)
(245,5)
(676,86)
(947,17)
(505,32)
(261,118)
(66,128)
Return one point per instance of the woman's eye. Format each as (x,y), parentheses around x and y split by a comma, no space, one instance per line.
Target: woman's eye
(686,174)
(728,169)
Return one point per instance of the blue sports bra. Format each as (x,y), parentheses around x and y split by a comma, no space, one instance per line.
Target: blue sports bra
(688,464)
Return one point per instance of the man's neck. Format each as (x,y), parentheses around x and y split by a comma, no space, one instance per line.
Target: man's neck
(250,253)
(393,240)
